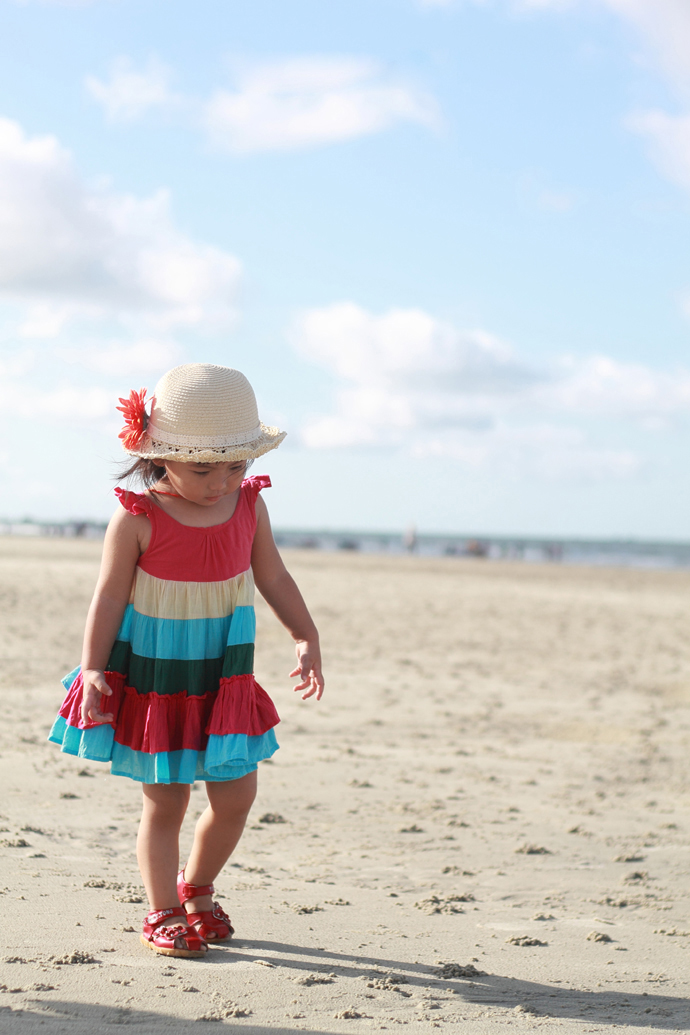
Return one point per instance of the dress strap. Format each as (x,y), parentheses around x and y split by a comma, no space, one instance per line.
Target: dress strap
(253,486)
(134,502)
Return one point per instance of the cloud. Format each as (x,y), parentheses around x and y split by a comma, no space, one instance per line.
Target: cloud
(97,288)
(408,348)
(115,359)
(78,386)
(285,105)
(663,26)
(542,450)
(47,319)
(128,94)
(64,402)
(405,372)
(407,380)
(668,137)
(68,249)
(310,101)
(601,386)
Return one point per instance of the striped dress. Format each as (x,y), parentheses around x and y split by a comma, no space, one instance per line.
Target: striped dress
(185,702)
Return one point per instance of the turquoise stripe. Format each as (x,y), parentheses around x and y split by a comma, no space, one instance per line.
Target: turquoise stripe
(70,677)
(95,744)
(189,765)
(222,753)
(184,639)
(242,626)
(125,630)
(226,758)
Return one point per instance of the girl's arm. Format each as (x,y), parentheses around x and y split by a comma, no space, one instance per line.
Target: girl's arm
(280,592)
(121,551)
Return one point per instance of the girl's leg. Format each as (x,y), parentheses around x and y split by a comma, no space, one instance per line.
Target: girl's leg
(218,830)
(158,851)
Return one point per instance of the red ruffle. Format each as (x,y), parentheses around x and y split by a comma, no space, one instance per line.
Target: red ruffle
(71,706)
(241,706)
(134,502)
(172,722)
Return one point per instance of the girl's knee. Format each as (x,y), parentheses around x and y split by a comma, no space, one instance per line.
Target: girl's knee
(166,801)
(234,797)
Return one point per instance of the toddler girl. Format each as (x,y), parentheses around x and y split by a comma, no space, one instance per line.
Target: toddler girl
(165,690)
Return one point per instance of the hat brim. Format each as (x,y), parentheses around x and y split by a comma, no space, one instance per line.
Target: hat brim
(153,449)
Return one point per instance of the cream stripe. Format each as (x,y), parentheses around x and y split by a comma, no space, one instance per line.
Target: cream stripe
(163,598)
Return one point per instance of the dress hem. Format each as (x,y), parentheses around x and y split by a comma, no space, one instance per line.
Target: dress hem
(225,758)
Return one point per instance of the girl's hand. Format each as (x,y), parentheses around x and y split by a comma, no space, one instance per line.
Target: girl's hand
(94,686)
(308,669)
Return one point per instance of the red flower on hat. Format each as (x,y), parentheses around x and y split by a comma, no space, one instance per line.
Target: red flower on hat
(136,418)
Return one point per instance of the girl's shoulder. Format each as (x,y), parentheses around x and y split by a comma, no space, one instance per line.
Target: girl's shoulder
(131,522)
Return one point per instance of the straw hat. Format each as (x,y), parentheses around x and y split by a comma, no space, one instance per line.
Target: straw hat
(201,413)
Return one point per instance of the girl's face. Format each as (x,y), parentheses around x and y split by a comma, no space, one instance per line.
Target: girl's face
(205,484)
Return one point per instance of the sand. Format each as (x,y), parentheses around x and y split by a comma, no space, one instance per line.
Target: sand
(482,827)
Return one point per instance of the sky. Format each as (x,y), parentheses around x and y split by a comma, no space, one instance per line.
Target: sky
(446,240)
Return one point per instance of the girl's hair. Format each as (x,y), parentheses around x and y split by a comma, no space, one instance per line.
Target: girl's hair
(148,472)
(143,470)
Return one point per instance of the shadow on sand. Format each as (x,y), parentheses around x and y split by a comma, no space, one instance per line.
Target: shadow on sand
(639,1009)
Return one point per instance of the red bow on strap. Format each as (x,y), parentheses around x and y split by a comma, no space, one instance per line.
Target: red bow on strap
(136,418)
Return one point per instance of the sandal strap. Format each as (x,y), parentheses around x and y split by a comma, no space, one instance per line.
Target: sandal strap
(210,916)
(219,913)
(178,931)
(153,918)
(166,935)
(185,891)
(212,924)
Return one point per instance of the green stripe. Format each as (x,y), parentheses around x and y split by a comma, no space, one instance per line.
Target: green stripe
(171,676)
(239,660)
(119,657)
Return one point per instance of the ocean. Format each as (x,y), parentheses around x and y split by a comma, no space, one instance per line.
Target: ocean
(630,553)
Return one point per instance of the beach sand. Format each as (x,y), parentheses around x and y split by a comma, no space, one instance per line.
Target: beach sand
(484,825)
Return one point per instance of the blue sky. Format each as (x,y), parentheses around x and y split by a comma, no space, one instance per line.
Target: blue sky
(445,240)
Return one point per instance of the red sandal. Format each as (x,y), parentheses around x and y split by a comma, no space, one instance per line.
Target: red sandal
(165,938)
(213,925)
